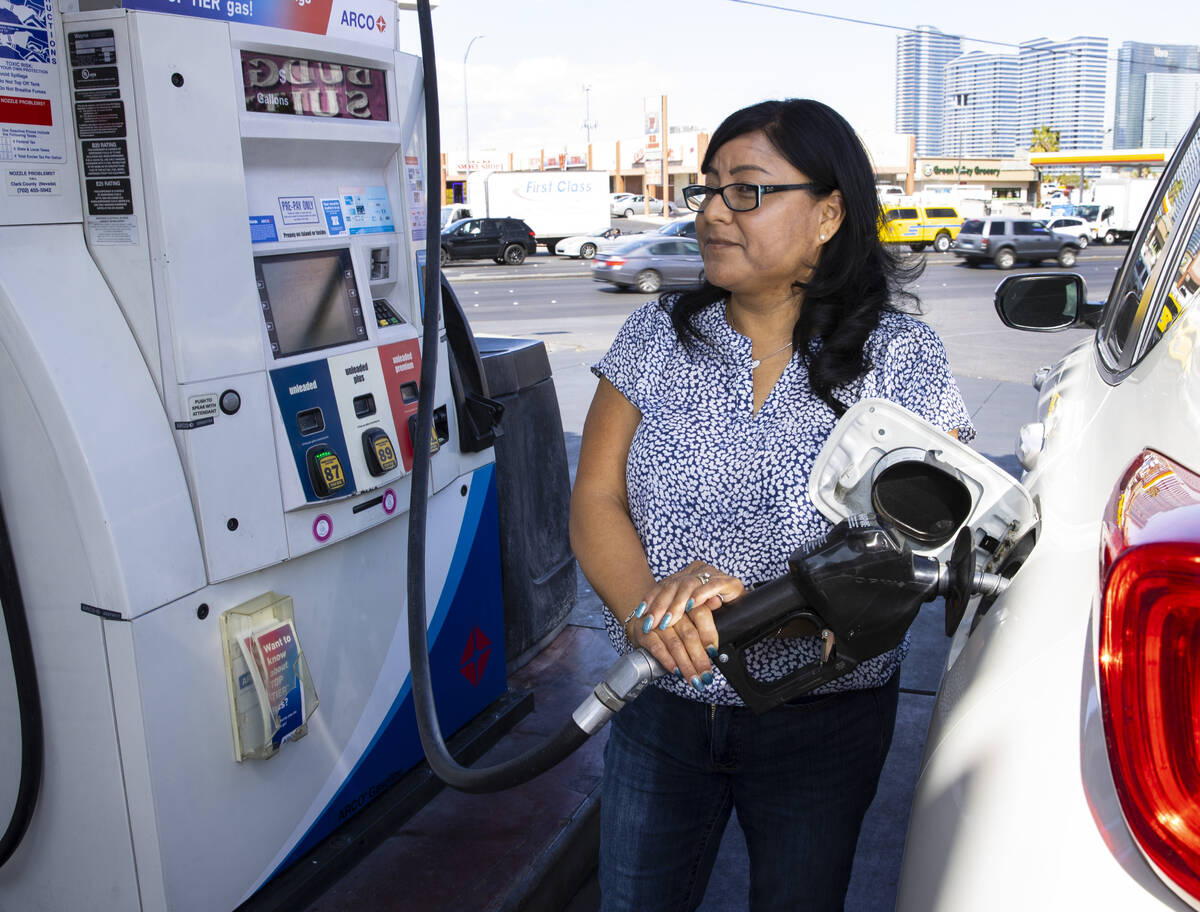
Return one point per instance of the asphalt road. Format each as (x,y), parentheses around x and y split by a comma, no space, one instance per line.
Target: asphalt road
(554,298)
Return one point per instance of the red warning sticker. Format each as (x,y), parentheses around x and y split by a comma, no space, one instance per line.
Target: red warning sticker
(16,109)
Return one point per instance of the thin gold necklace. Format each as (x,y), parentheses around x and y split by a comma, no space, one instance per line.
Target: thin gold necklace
(755,362)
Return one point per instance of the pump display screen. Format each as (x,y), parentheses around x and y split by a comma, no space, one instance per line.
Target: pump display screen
(309,301)
(313,88)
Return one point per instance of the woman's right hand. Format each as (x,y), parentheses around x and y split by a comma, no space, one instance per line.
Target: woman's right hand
(674,621)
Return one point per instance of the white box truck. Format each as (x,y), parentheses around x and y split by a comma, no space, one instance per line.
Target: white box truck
(1115,206)
(554,204)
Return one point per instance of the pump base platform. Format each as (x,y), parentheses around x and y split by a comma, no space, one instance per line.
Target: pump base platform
(430,848)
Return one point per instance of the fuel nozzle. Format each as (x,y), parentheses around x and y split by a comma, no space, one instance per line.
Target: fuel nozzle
(859,589)
(865,583)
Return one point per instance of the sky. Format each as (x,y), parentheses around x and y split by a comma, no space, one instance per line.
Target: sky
(525,78)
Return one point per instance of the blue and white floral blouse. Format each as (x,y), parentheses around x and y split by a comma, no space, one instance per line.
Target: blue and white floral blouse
(708,479)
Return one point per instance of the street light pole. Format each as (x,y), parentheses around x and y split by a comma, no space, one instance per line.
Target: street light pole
(588,123)
(466,109)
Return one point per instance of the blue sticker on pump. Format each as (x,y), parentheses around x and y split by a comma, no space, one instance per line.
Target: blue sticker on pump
(333,216)
(262,229)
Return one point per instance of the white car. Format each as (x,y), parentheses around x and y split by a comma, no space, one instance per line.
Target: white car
(636,205)
(615,200)
(588,245)
(1062,765)
(1075,227)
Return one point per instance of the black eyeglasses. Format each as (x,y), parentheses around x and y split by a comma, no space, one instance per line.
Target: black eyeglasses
(738,197)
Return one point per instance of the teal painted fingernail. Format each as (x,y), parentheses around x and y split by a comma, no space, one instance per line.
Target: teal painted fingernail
(706,678)
(649,623)
(641,609)
(712,651)
(698,684)
(665,621)
(688,606)
(678,673)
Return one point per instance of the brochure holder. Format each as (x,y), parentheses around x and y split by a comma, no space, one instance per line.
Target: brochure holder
(271,694)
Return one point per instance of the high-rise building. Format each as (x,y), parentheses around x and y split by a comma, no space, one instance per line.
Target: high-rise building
(1171,104)
(921,58)
(979,115)
(1136,62)
(1060,85)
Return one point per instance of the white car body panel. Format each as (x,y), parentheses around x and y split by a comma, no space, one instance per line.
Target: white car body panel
(1015,805)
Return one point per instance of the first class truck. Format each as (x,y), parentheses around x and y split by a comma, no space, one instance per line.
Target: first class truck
(555,204)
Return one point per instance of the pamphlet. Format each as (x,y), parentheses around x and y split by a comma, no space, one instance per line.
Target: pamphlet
(273,657)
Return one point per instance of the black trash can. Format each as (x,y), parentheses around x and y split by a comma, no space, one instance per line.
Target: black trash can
(534,490)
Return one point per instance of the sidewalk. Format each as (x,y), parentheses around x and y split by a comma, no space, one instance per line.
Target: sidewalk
(532,847)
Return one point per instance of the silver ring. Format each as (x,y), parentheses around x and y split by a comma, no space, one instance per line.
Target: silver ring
(704,578)
(721,597)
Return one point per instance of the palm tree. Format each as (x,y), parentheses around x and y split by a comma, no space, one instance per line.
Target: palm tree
(1043,139)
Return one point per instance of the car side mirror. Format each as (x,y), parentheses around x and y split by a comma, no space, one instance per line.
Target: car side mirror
(1046,303)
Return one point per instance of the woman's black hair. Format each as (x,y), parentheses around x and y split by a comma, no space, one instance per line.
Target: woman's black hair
(857,278)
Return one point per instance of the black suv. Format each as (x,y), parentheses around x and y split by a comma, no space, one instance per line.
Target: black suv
(505,240)
(1004,241)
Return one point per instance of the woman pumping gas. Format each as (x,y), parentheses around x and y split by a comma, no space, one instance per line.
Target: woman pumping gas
(692,486)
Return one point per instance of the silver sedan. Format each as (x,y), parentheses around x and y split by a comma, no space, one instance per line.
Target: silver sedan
(651,263)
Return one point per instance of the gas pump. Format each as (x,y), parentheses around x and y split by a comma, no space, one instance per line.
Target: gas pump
(210,361)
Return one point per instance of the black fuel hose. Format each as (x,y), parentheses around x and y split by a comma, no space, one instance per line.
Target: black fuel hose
(28,703)
(570,736)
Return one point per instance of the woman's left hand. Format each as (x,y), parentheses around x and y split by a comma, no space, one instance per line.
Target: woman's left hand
(675,623)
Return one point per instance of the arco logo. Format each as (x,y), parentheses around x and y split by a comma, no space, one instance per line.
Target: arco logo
(364,21)
(475,656)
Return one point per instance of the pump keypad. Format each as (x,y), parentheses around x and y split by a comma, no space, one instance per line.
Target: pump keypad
(384,315)
(325,471)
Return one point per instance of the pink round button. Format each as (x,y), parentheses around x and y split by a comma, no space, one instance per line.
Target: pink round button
(389,501)
(322,527)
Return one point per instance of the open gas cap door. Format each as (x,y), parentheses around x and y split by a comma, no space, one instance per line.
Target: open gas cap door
(883,459)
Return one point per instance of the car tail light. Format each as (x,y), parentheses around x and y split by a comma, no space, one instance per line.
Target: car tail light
(613,261)
(984,243)
(1150,661)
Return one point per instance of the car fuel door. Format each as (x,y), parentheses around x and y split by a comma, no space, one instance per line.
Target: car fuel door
(885,460)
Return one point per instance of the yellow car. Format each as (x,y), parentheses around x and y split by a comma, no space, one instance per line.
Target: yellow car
(920,226)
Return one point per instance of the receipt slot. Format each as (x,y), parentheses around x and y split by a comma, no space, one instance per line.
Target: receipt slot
(210,325)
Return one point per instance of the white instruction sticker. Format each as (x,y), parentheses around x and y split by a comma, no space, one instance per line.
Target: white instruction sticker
(32,182)
(204,406)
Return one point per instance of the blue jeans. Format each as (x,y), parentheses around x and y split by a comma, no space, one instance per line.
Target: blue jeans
(800,776)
